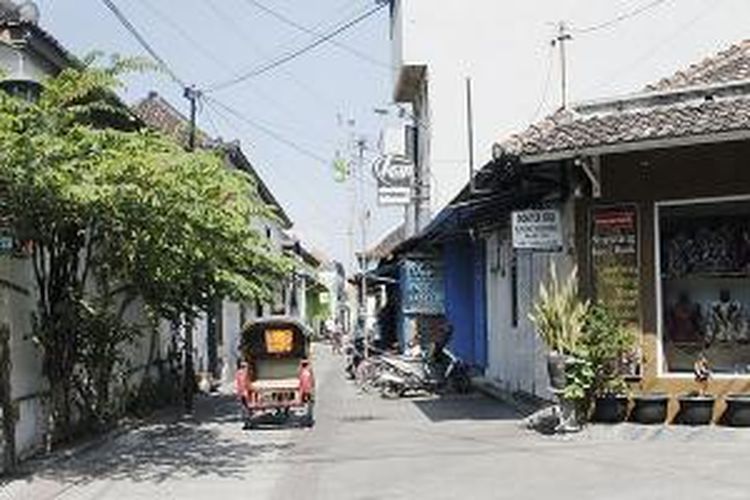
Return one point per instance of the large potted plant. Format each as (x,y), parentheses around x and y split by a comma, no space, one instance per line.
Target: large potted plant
(559,316)
(697,407)
(607,344)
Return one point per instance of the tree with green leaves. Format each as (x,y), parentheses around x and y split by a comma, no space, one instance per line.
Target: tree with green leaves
(110,212)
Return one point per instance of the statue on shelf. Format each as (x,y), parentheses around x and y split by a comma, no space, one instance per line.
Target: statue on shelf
(726,321)
(684,320)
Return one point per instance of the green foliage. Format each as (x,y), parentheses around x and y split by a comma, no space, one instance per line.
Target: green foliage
(607,344)
(559,314)
(579,378)
(100,201)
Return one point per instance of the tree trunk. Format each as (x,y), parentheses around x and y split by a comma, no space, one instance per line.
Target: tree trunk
(6,402)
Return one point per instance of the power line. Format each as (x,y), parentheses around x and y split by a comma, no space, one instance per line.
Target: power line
(655,48)
(142,41)
(621,17)
(267,131)
(313,203)
(546,86)
(264,68)
(244,34)
(310,31)
(272,134)
(200,47)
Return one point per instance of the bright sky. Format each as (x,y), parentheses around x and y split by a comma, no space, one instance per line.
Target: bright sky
(312,101)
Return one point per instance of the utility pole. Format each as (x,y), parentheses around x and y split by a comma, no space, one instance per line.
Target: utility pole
(361,145)
(192,95)
(470,133)
(561,39)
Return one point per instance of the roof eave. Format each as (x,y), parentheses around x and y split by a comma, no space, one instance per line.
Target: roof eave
(630,147)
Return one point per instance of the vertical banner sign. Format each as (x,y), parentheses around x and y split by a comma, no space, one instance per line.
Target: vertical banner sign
(614,259)
(615,270)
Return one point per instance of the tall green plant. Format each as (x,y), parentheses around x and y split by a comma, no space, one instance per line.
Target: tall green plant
(99,200)
(607,344)
(559,314)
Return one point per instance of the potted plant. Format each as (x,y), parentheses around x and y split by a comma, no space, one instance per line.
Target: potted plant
(608,344)
(738,410)
(559,316)
(697,407)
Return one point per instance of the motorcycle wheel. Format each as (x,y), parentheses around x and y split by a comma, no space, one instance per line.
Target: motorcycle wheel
(391,391)
(461,383)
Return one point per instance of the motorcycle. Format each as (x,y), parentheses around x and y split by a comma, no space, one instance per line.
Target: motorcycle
(401,374)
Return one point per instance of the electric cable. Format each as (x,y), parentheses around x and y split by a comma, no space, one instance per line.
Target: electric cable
(656,47)
(310,31)
(265,68)
(207,54)
(273,134)
(545,87)
(304,191)
(622,17)
(142,41)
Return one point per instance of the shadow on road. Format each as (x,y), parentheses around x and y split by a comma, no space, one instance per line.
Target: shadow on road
(174,448)
(464,407)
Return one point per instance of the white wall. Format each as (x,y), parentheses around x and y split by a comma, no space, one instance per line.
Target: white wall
(502,48)
(516,355)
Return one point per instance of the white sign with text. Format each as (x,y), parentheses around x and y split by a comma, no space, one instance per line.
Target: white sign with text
(537,230)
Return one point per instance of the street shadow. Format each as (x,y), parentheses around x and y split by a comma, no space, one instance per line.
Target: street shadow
(464,407)
(180,448)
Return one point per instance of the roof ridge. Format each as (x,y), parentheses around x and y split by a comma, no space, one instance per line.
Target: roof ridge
(703,70)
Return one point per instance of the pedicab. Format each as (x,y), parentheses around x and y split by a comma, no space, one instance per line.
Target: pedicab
(279,373)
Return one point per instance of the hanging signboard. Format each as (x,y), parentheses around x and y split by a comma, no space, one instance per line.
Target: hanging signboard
(394,176)
(422,285)
(614,260)
(539,230)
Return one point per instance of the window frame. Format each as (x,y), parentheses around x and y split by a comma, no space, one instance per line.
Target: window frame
(661,369)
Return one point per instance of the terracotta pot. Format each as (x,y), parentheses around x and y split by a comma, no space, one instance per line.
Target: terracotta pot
(610,408)
(696,409)
(738,410)
(650,408)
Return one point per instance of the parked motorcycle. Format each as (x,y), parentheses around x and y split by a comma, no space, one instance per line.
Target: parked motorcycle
(399,375)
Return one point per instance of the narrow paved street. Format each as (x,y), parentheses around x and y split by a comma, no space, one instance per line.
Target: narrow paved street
(364,447)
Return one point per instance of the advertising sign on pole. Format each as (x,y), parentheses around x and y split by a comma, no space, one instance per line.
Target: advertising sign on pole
(394,177)
(539,230)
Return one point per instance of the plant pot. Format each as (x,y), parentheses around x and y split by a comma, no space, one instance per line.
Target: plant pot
(610,408)
(696,409)
(738,410)
(650,408)
(556,370)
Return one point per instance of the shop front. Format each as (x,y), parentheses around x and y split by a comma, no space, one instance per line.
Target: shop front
(668,249)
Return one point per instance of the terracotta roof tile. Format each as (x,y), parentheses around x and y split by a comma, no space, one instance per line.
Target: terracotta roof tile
(729,65)
(709,97)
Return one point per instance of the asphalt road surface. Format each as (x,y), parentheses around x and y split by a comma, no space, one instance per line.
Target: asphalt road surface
(365,447)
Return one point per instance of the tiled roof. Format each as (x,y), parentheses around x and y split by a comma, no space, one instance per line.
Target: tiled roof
(708,98)
(158,113)
(729,65)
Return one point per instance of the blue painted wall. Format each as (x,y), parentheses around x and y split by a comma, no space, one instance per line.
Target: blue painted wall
(463,262)
(480,304)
